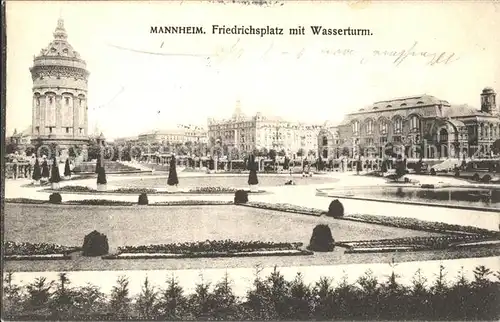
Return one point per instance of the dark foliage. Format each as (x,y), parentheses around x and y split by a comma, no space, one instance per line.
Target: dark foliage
(37,173)
(95,244)
(172,174)
(143,199)
(241,196)
(101,176)
(336,209)
(67,170)
(252,165)
(55,177)
(45,169)
(321,239)
(271,297)
(55,198)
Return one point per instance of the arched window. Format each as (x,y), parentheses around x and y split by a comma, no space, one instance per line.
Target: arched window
(398,125)
(414,123)
(325,140)
(369,127)
(443,135)
(355,127)
(383,127)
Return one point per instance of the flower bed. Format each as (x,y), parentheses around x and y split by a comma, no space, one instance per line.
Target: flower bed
(416,224)
(19,251)
(209,246)
(212,190)
(411,243)
(26,201)
(134,190)
(74,189)
(192,203)
(291,252)
(100,202)
(223,248)
(285,207)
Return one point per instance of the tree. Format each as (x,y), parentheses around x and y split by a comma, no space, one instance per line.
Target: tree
(252,177)
(55,177)
(39,296)
(172,174)
(37,173)
(12,295)
(45,169)
(146,301)
(62,302)
(173,303)
(225,301)
(67,170)
(286,163)
(11,147)
(120,300)
(272,154)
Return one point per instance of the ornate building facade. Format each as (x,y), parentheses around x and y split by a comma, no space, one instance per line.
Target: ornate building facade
(424,125)
(60,80)
(249,133)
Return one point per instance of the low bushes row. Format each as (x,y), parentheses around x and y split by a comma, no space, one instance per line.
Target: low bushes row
(210,246)
(271,297)
(14,248)
(416,224)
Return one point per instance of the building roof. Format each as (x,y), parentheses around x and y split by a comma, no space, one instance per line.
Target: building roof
(457,123)
(463,110)
(59,46)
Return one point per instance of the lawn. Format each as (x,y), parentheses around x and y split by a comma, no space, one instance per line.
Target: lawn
(67,225)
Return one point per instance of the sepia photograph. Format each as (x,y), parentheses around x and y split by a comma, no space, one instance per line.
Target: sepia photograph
(251,160)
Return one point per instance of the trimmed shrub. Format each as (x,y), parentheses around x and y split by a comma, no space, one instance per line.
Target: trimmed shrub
(241,196)
(67,170)
(336,209)
(37,172)
(55,177)
(55,198)
(321,239)
(143,199)
(45,169)
(101,176)
(252,177)
(172,174)
(95,244)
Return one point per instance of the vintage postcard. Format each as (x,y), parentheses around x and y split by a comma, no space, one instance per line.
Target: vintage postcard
(251,160)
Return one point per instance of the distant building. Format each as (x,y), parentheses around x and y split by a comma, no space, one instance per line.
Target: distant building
(249,133)
(22,138)
(441,130)
(329,142)
(180,135)
(60,80)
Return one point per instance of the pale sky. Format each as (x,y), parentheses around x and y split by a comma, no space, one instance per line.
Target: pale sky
(127,89)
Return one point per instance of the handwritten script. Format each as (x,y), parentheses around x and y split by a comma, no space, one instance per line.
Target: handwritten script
(236,51)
